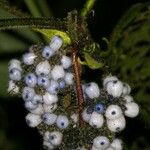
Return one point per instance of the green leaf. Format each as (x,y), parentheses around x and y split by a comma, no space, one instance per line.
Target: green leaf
(92,63)
(49,33)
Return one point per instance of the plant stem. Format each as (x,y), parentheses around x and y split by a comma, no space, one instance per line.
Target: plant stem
(79,91)
(48,23)
(87,7)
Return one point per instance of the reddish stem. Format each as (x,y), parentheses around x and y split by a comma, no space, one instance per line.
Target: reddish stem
(77,71)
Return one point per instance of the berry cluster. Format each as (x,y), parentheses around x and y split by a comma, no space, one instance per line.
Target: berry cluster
(44,79)
(111,103)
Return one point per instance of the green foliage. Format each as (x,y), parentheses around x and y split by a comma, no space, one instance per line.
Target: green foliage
(130,47)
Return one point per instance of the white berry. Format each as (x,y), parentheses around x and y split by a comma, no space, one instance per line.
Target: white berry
(30,106)
(38,110)
(49,99)
(117,144)
(12,87)
(15,74)
(66,62)
(43,68)
(53,87)
(132,109)
(28,93)
(86,117)
(33,120)
(49,118)
(55,138)
(109,79)
(96,120)
(14,63)
(113,112)
(57,72)
(110,148)
(37,99)
(94,148)
(56,43)
(126,89)
(62,122)
(47,52)
(114,88)
(47,145)
(69,78)
(101,142)
(116,125)
(31,80)
(43,81)
(128,98)
(92,91)
(29,58)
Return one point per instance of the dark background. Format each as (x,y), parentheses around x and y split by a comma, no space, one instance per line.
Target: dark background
(14,133)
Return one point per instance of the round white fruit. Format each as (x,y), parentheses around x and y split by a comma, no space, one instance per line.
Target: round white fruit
(49,118)
(113,112)
(132,109)
(109,79)
(96,120)
(29,58)
(33,120)
(50,99)
(62,122)
(66,62)
(101,142)
(56,43)
(114,88)
(57,72)
(116,125)
(55,138)
(128,98)
(69,78)
(86,117)
(47,145)
(126,89)
(92,91)
(43,68)
(117,144)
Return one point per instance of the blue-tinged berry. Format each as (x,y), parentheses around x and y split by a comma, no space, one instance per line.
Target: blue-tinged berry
(15,74)
(101,142)
(53,87)
(56,43)
(43,81)
(62,122)
(49,118)
(47,52)
(31,80)
(99,108)
(62,84)
(66,62)
(28,94)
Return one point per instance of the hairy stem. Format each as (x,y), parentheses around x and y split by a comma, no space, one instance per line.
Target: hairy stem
(87,7)
(79,91)
(32,23)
